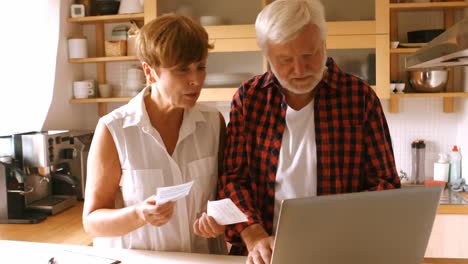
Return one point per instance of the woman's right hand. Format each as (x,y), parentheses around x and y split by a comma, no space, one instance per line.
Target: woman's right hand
(150,212)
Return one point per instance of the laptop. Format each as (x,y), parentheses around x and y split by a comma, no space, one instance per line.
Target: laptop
(380,227)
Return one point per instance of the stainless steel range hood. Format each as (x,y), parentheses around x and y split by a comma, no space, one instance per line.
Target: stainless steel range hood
(448,49)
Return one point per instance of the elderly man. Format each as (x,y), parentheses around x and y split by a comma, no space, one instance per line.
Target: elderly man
(303,129)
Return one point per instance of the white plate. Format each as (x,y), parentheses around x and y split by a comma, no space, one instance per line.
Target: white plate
(412,45)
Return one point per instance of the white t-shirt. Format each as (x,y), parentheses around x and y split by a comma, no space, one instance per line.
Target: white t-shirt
(146,165)
(296,176)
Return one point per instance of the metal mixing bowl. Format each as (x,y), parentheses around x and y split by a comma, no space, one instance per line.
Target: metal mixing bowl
(428,81)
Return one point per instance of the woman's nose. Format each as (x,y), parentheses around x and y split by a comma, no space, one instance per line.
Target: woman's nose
(196,79)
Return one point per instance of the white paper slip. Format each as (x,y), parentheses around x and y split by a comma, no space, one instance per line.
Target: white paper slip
(173,193)
(225,212)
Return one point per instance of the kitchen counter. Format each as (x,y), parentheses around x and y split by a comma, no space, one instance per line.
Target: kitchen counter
(66,227)
(453,203)
(63,228)
(43,252)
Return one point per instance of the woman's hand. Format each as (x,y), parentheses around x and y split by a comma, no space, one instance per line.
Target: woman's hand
(155,214)
(207,227)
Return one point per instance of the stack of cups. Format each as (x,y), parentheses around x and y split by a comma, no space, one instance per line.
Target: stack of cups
(135,80)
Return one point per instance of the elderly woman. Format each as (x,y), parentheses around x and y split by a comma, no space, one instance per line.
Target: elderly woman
(160,138)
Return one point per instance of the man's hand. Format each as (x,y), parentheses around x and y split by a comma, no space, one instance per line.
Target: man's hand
(259,244)
(206,226)
(261,252)
(155,214)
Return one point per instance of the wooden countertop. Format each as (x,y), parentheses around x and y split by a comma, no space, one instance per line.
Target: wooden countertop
(63,228)
(66,227)
(454,208)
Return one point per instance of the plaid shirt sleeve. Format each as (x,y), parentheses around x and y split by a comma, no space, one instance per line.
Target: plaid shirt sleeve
(235,182)
(380,170)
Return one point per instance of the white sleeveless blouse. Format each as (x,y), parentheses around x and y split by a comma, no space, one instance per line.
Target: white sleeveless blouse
(146,165)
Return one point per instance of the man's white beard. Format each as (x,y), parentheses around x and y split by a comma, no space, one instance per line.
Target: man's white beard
(302,90)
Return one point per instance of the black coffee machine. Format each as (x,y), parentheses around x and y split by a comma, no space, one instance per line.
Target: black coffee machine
(12,196)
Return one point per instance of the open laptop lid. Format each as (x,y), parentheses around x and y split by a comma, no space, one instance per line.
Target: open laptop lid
(382,227)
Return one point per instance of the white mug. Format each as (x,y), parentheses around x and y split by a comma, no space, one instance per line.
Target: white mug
(82,89)
(93,88)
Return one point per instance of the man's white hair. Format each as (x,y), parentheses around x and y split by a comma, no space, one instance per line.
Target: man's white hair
(282,20)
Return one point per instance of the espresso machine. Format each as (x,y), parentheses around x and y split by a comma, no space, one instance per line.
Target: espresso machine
(54,163)
(13,189)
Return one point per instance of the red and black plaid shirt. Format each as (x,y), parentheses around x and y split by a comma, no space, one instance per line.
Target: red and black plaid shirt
(354,148)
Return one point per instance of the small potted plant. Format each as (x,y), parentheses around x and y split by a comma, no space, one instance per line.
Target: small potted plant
(393,86)
(400,86)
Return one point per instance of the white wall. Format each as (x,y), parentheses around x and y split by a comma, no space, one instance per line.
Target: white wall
(62,114)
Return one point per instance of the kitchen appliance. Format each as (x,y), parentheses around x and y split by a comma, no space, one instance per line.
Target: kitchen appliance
(107,7)
(448,49)
(55,164)
(12,197)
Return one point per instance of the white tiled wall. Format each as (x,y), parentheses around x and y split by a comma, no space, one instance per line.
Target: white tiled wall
(423,118)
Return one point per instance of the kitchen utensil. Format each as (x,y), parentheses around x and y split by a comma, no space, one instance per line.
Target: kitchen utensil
(418,149)
(77,48)
(421,36)
(105,90)
(428,81)
(82,89)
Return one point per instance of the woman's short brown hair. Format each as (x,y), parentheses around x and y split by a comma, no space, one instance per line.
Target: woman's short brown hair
(171,40)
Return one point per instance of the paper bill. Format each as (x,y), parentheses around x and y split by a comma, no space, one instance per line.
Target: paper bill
(172,193)
(225,212)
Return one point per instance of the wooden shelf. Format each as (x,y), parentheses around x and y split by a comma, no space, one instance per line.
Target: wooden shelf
(207,95)
(107,18)
(415,95)
(216,94)
(403,50)
(448,99)
(103,59)
(428,6)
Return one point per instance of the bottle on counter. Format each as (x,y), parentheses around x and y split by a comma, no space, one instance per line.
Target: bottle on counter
(441,168)
(455,165)
(418,149)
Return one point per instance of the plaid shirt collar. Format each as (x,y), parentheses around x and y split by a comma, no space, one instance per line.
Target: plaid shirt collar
(330,77)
